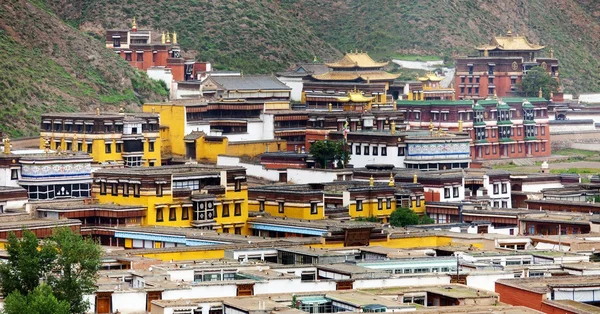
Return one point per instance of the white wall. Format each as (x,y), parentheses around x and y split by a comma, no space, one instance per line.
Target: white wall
(291,286)
(91,298)
(5,177)
(257,130)
(570,127)
(206,291)
(538,187)
(304,176)
(161,74)
(362,160)
(486,281)
(181,274)
(251,169)
(295,83)
(401,281)
(129,302)
(197,126)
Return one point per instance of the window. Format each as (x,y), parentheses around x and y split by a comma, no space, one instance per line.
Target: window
(366,150)
(400,151)
(114,187)
(79,146)
(543,130)
(118,147)
(237,230)
(14,174)
(238,185)
(159,190)
(455,191)
(140,56)
(487,150)
(359,205)
(504,204)
(134,161)
(126,189)
(388,203)
(116,42)
(159,214)
(543,146)
(476,90)
(261,206)
(150,146)
(493,147)
(107,148)
(470,80)
(237,209)
(136,190)
(447,192)
(185,213)
(383,151)
(469,90)
(470,70)
(128,56)
(477,80)
(417,116)
(225,210)
(504,188)
(462,90)
(491,91)
(357,150)
(280,208)
(375,150)
(444,116)
(520,148)
(314,209)
(102,188)
(172,214)
(418,201)
(496,188)
(89,148)
(379,204)
(462,79)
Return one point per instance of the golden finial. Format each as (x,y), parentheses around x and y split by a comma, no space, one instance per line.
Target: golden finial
(98,111)
(371,181)
(415,178)
(393,127)
(330,106)
(163,38)
(47,146)
(495,95)
(121,111)
(168,39)
(174,37)
(540,93)
(6,141)
(134,25)
(391,183)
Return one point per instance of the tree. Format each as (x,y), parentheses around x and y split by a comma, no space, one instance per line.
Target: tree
(39,301)
(537,78)
(402,217)
(325,151)
(26,264)
(78,263)
(67,262)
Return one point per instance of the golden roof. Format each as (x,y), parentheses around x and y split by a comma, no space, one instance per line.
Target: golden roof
(356,59)
(355,96)
(511,42)
(430,77)
(352,76)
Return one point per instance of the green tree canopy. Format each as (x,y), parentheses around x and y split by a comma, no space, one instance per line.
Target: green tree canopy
(66,261)
(39,301)
(26,265)
(535,79)
(79,262)
(325,151)
(402,217)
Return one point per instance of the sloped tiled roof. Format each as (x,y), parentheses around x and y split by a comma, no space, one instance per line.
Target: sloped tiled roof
(511,42)
(253,82)
(356,59)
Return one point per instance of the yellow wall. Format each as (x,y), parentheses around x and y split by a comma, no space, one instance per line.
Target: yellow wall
(187,255)
(420,210)
(290,210)
(173,117)
(370,208)
(234,221)
(253,149)
(209,150)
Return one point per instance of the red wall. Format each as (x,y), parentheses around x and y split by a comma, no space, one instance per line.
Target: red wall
(516,296)
(547,308)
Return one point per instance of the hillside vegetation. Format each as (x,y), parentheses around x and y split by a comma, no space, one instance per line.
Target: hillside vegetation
(48,66)
(269,35)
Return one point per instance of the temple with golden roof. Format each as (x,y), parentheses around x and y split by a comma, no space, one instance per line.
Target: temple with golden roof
(431,89)
(355,71)
(499,67)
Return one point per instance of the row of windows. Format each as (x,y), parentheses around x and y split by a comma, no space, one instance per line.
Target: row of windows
(454,192)
(119,147)
(503,204)
(201,211)
(507,131)
(314,207)
(126,189)
(504,152)
(388,204)
(497,188)
(50,192)
(373,150)
(89,128)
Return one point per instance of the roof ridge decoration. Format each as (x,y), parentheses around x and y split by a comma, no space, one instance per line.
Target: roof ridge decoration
(356,59)
(510,41)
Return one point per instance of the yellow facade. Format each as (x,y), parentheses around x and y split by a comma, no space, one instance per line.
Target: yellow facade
(372,208)
(173,118)
(418,206)
(233,221)
(290,209)
(187,255)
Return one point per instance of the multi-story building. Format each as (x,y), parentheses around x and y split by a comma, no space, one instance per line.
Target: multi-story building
(139,49)
(510,127)
(111,139)
(356,70)
(409,149)
(500,66)
(430,89)
(180,196)
(350,199)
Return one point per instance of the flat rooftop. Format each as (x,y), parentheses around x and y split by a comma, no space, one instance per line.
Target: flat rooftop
(543,284)
(453,291)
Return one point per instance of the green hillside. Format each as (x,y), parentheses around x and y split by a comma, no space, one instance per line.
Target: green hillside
(48,66)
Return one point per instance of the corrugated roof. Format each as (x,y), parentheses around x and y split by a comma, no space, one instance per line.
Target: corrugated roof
(254,82)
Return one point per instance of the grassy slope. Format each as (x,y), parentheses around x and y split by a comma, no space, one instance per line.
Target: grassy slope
(265,36)
(48,66)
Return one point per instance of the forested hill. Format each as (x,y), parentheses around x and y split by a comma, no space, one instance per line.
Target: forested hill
(52,58)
